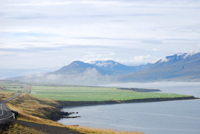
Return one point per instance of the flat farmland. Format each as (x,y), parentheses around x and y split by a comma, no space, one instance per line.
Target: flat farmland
(10,86)
(94,94)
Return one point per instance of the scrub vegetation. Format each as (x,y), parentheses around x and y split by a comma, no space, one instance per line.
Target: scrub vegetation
(43,105)
(5,95)
(19,129)
(40,111)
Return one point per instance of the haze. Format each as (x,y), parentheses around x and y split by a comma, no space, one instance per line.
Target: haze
(48,34)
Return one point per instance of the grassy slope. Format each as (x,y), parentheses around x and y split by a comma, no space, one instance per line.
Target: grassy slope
(40,110)
(5,95)
(94,94)
(19,129)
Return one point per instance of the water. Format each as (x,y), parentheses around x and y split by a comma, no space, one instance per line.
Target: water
(174,117)
(192,88)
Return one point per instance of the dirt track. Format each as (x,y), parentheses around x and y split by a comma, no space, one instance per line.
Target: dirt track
(45,128)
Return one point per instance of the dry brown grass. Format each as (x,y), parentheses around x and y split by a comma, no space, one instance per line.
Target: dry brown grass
(30,118)
(19,129)
(5,95)
(88,130)
(30,105)
(38,110)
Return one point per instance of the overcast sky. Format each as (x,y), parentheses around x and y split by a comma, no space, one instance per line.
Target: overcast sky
(49,34)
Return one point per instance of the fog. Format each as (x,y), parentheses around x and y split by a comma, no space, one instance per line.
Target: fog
(89,77)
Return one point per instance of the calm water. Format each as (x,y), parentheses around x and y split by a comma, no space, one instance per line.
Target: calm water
(172,117)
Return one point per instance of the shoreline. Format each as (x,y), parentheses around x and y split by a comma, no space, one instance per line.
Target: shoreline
(52,109)
(66,104)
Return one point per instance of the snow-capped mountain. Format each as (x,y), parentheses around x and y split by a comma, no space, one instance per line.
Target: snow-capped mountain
(178,67)
(181,67)
(107,63)
(177,57)
(108,67)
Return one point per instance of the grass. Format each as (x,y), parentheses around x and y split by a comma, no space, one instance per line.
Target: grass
(19,129)
(27,104)
(87,130)
(42,105)
(5,95)
(94,94)
(11,86)
(39,110)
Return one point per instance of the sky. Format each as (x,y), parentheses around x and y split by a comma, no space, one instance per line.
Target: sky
(49,34)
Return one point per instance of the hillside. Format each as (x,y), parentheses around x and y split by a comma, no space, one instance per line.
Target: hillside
(108,67)
(178,67)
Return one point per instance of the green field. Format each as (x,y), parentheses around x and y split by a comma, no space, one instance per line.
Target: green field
(94,94)
(11,86)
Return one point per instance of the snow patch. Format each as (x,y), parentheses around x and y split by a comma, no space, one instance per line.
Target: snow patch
(180,54)
(164,60)
(105,63)
(191,53)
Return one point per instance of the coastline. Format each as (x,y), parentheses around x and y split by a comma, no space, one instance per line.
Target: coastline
(51,109)
(66,104)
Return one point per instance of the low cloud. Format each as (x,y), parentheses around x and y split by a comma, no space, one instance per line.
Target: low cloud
(193,52)
(139,60)
(164,60)
(89,77)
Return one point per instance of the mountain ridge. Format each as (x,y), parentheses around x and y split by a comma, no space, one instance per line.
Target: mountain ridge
(184,67)
(177,67)
(108,67)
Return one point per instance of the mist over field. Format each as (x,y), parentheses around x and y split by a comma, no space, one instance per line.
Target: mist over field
(89,77)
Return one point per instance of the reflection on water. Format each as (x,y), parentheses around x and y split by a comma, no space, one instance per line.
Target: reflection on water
(172,117)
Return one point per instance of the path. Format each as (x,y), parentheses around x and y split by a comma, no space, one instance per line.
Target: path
(5,113)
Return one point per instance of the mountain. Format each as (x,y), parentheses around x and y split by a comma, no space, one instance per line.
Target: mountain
(75,67)
(178,67)
(109,64)
(108,67)
(80,73)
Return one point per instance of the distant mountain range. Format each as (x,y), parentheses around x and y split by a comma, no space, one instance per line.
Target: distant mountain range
(178,67)
(108,67)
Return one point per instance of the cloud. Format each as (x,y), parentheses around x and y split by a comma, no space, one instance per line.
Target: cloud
(31,16)
(22,34)
(155,49)
(52,33)
(101,38)
(193,52)
(139,60)
(152,41)
(54,47)
(89,77)
(164,60)
(97,57)
(95,16)
(141,3)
